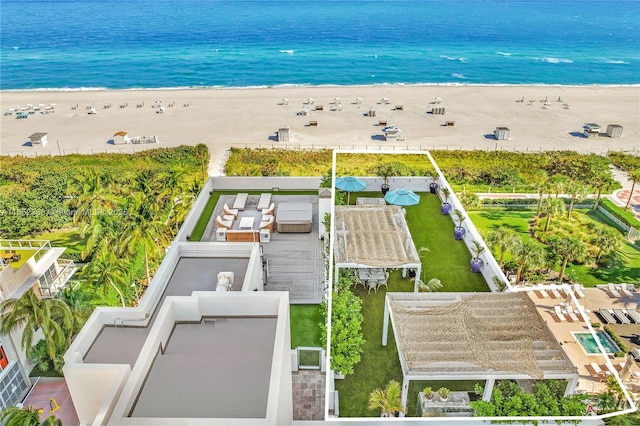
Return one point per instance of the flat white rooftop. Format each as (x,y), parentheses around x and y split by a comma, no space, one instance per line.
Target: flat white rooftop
(219,368)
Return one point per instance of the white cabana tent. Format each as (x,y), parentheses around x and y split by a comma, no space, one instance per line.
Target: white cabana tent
(373,237)
(474,336)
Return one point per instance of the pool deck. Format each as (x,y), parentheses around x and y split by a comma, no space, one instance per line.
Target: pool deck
(595,298)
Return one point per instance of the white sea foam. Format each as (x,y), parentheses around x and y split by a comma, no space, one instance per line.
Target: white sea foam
(451,58)
(503,53)
(287,51)
(551,60)
(613,61)
(457,75)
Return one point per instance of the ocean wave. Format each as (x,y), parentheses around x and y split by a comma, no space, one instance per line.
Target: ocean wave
(613,61)
(458,75)
(503,53)
(452,58)
(287,51)
(551,60)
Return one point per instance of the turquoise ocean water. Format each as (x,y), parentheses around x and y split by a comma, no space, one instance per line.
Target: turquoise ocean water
(123,44)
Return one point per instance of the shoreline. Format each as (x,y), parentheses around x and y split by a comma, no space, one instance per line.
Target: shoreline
(306,86)
(540,118)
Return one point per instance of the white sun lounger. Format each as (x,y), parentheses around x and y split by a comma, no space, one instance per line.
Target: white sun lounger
(559,313)
(265,200)
(612,290)
(633,314)
(596,368)
(241,201)
(555,293)
(623,289)
(607,317)
(621,316)
(578,291)
(572,316)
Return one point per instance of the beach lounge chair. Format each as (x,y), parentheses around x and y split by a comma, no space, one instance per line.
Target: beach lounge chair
(607,317)
(623,289)
(596,368)
(633,314)
(270,210)
(621,316)
(559,314)
(227,210)
(577,289)
(264,201)
(227,224)
(555,293)
(241,201)
(636,353)
(572,316)
(612,290)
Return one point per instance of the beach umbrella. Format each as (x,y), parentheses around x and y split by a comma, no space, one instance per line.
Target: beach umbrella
(402,197)
(350,184)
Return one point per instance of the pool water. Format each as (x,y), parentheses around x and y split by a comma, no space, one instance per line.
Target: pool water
(590,346)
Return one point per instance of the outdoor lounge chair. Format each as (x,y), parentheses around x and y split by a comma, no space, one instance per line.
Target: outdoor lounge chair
(612,290)
(577,289)
(596,368)
(267,224)
(623,289)
(555,293)
(607,317)
(621,316)
(559,313)
(633,314)
(572,316)
(263,202)
(270,210)
(229,211)
(227,224)
(241,201)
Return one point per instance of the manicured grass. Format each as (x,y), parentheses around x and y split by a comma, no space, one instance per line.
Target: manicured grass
(447,260)
(627,270)
(201,225)
(305,329)
(68,237)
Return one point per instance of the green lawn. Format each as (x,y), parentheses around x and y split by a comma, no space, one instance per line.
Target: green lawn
(626,271)
(305,329)
(447,260)
(68,237)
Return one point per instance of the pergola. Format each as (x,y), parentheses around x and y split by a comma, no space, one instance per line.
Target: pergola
(474,336)
(373,237)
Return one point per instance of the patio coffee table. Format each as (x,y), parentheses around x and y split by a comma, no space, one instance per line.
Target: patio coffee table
(246,223)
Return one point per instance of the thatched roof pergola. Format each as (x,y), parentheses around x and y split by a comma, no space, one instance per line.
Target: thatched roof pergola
(373,237)
(467,336)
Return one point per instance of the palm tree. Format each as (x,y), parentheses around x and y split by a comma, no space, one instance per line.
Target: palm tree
(88,192)
(476,263)
(550,207)
(542,185)
(527,254)
(202,153)
(635,177)
(29,312)
(606,239)
(502,240)
(559,184)
(577,190)
(433,284)
(604,183)
(568,249)
(106,270)
(27,416)
(387,400)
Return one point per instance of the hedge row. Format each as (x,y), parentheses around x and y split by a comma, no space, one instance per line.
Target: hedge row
(614,336)
(619,213)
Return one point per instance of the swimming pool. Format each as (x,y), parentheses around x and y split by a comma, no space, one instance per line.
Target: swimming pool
(589,345)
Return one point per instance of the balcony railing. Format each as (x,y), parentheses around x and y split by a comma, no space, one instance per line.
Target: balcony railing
(41,246)
(51,289)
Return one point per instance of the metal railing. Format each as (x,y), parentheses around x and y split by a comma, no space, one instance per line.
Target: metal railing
(60,280)
(41,246)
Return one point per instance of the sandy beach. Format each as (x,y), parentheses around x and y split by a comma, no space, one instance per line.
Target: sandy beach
(538,118)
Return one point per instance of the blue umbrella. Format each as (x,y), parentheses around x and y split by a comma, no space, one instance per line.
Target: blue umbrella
(350,184)
(402,197)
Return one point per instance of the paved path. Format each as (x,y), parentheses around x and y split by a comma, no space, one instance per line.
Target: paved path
(308,394)
(47,388)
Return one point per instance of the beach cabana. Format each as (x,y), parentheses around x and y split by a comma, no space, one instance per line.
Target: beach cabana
(502,133)
(121,138)
(371,237)
(462,336)
(614,130)
(38,139)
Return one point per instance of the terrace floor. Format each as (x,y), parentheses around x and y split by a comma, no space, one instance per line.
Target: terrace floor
(295,260)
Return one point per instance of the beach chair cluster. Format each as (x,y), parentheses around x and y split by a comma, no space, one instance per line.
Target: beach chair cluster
(552,293)
(565,314)
(618,291)
(619,316)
